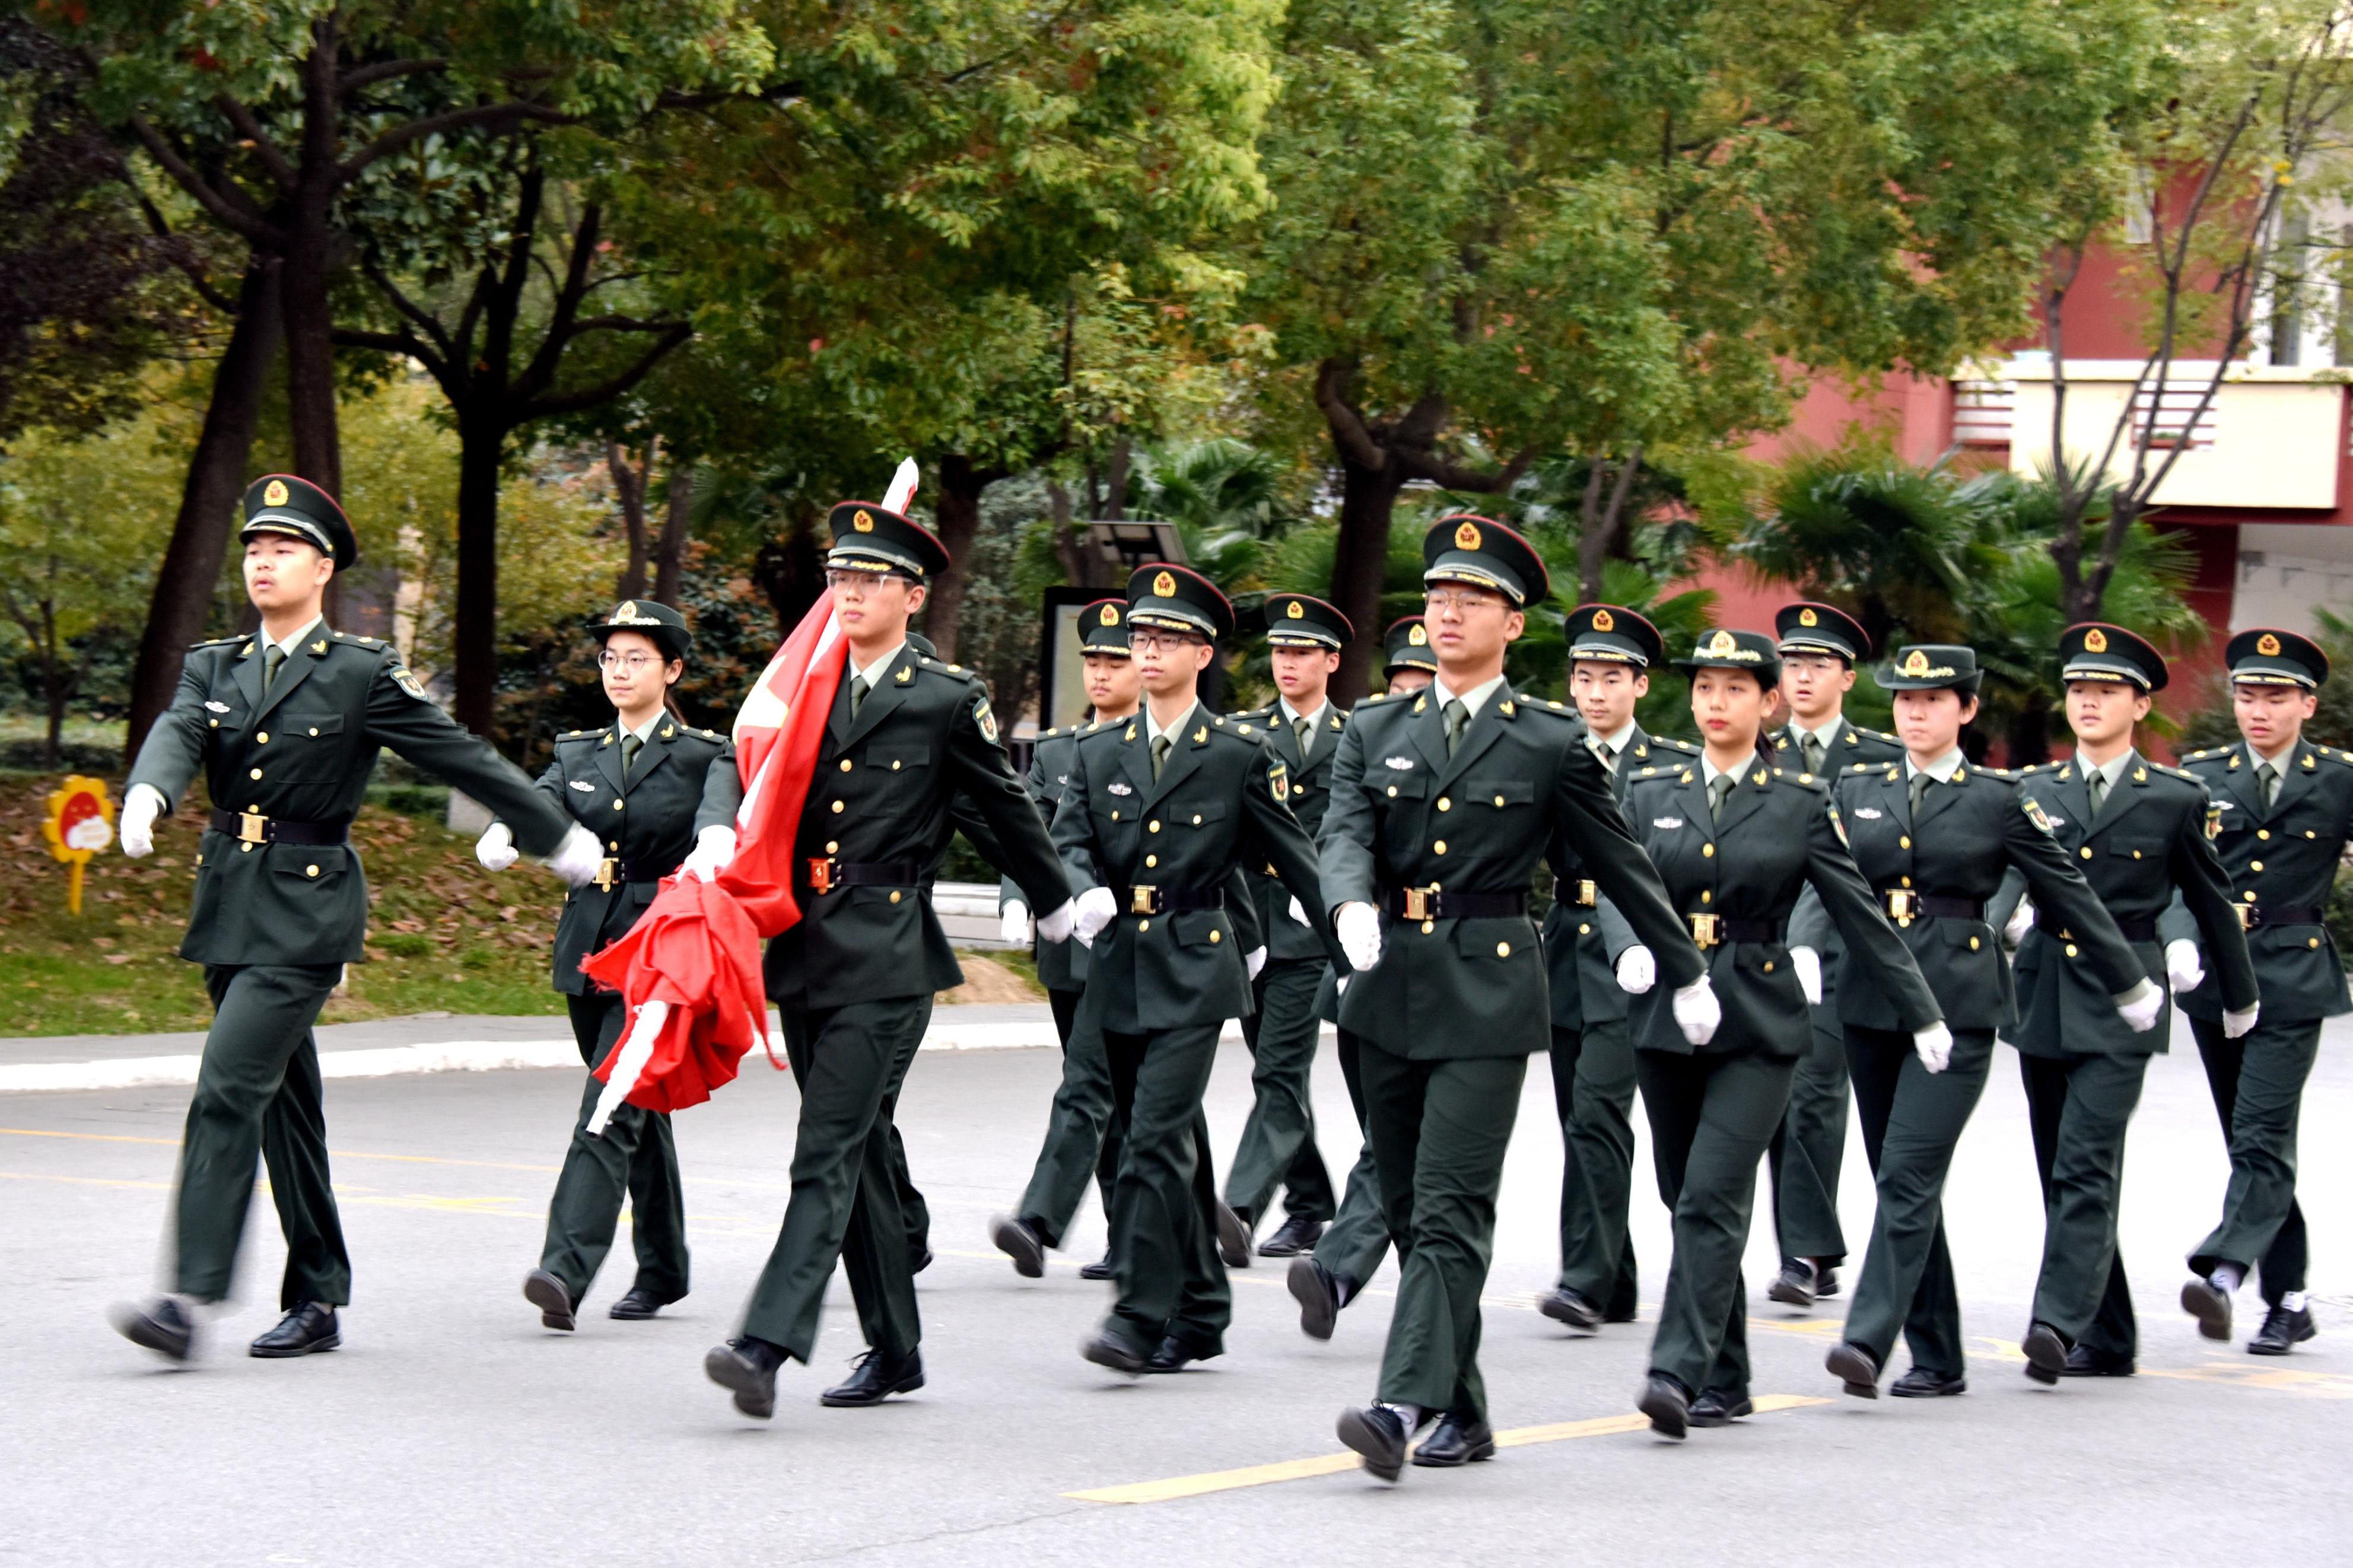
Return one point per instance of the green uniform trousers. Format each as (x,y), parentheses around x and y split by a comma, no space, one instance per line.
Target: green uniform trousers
(1593,1080)
(1278,1144)
(1439,1130)
(1164,1224)
(1912,1119)
(1352,1249)
(911,1206)
(637,1156)
(1082,1136)
(1711,1117)
(849,1062)
(259,1092)
(2258,1084)
(2078,1107)
(1809,1149)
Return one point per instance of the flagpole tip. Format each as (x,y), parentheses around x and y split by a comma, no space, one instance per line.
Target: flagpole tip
(903,486)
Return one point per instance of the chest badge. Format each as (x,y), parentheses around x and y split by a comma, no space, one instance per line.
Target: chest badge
(1869,812)
(1666,822)
(585,788)
(1119,788)
(216,706)
(1400,763)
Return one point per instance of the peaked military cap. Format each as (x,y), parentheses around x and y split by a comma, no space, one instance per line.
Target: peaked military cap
(1809,627)
(1724,649)
(1406,645)
(867,537)
(1929,667)
(1613,634)
(283,503)
(1464,548)
(1294,620)
(2097,651)
(1169,597)
(665,625)
(1102,628)
(2269,657)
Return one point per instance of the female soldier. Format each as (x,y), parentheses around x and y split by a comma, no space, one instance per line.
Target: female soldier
(1933,836)
(652,788)
(1737,841)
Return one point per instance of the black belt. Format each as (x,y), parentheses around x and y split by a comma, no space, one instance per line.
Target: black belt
(1139,899)
(252,827)
(612,871)
(2254,915)
(1904,905)
(1714,931)
(1583,894)
(826,874)
(1433,904)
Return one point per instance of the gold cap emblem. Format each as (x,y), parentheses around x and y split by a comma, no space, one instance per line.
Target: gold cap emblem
(1110,616)
(1723,643)
(1806,617)
(274,494)
(2267,645)
(864,522)
(1915,662)
(1467,536)
(1164,587)
(1417,636)
(1603,621)
(2095,641)
(1295,611)
(626,612)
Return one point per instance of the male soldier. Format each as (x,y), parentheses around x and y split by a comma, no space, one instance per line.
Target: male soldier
(1304,637)
(1441,805)
(1611,649)
(854,979)
(2138,830)
(1409,666)
(286,723)
(1080,1134)
(1158,814)
(1820,644)
(2284,809)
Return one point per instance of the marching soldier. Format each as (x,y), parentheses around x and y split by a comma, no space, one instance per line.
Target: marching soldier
(662,794)
(286,723)
(1278,1142)
(1933,836)
(1441,805)
(854,977)
(1409,664)
(1818,646)
(2138,829)
(1737,838)
(2284,809)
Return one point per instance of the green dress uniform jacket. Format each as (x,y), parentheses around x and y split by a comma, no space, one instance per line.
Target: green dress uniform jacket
(1583,932)
(1061,965)
(1310,797)
(1853,750)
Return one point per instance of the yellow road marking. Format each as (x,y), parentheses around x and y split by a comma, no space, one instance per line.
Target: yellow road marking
(83,1180)
(331,1153)
(1335,1464)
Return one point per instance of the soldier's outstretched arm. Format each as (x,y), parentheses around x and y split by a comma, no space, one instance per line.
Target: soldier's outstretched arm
(722,790)
(175,749)
(1846,899)
(1592,823)
(1273,835)
(2063,900)
(1074,831)
(401,718)
(1346,868)
(982,776)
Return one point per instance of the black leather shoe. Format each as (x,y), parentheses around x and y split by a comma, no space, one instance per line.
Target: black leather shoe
(1922,1383)
(2085,1361)
(1826,1283)
(1566,1306)
(2046,1353)
(918,1259)
(1101,1268)
(1668,1404)
(164,1324)
(2210,1305)
(311,1326)
(875,1380)
(1852,1365)
(1456,1440)
(1019,1240)
(747,1368)
(1717,1407)
(639,1305)
(1175,1355)
(2282,1332)
(1377,1437)
(1795,1287)
(1317,1291)
(1107,1348)
(1233,1237)
(1292,1237)
(546,1292)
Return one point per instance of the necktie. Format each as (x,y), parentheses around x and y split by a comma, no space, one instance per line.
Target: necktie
(271,660)
(1457,718)
(2095,784)
(2267,784)
(1812,745)
(1306,734)
(1920,783)
(1603,755)
(857,693)
(1159,754)
(1719,790)
(631,746)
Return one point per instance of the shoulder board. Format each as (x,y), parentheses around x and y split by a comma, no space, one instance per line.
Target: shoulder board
(2174,773)
(1811,781)
(1375,697)
(354,638)
(1562,710)
(2032,772)
(1998,773)
(1892,740)
(217,642)
(1674,744)
(2209,751)
(1861,768)
(708,734)
(2334,756)
(1251,713)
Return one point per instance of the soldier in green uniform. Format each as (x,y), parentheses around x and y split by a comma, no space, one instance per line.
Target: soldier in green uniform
(853,980)
(1159,815)
(662,794)
(1738,838)
(2138,829)
(1441,806)
(285,724)
(1819,645)
(1586,946)
(1278,1142)
(2284,809)
(1081,1133)
(1934,836)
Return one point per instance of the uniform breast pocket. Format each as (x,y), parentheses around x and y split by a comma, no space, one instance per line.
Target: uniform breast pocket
(1208,813)
(1501,796)
(1201,927)
(1482,942)
(1397,786)
(307,747)
(1968,943)
(897,759)
(2136,849)
(320,863)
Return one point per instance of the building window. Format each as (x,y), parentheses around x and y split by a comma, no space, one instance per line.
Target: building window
(2170,415)
(1984,412)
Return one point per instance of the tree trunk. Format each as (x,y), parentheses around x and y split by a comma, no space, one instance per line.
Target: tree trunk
(481,444)
(669,556)
(790,569)
(1115,505)
(1360,568)
(208,498)
(629,494)
(957,514)
(2029,732)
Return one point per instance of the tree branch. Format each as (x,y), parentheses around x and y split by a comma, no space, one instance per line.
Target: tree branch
(1348,432)
(495,117)
(249,126)
(183,174)
(607,390)
(384,70)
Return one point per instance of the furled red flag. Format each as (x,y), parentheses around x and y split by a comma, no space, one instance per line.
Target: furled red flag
(690,968)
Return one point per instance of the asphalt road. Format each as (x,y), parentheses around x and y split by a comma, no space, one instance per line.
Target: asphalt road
(452,1429)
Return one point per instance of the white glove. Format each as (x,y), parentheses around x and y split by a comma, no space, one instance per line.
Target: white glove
(1636,971)
(1013,923)
(1096,907)
(2020,921)
(2181,965)
(1254,961)
(1359,927)
(713,848)
(495,849)
(1934,1045)
(1698,1012)
(1055,924)
(1808,965)
(576,858)
(140,807)
(1296,913)
(2237,1023)
(2141,1012)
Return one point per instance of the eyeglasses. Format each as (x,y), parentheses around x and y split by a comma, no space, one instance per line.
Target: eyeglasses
(1461,601)
(633,662)
(838,579)
(1160,642)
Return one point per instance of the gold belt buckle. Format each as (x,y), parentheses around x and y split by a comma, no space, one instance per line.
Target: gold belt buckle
(250,825)
(604,877)
(1704,929)
(821,874)
(1417,903)
(1899,905)
(1140,899)
(1588,895)
(2246,913)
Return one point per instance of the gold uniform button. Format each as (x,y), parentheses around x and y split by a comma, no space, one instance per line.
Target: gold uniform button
(1444,803)
(1768,966)
(2254,864)
(1585,930)
(1973,944)
(1706,895)
(894,894)
(1907,881)
(837,806)
(831,847)
(1197,819)
(845,764)
(310,870)
(255,774)
(1429,926)
(1392,787)
(216,725)
(2260,832)
(262,739)
(2086,852)
(1144,925)
(1707,851)
(1153,826)
(248,848)
(2312,941)
(615,844)
(2071,950)
(1217,936)
(1904,842)
(314,731)
(1499,800)
(1502,949)
(1439,847)
(1150,861)
(894,764)
(1115,816)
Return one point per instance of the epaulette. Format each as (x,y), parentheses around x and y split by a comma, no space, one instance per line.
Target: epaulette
(578,734)
(1375,697)
(2209,751)
(2335,755)
(1048,734)
(1892,740)
(941,667)
(364,642)
(2173,772)
(1252,713)
(1548,706)
(1861,768)
(1687,747)
(1808,780)
(2031,770)
(216,642)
